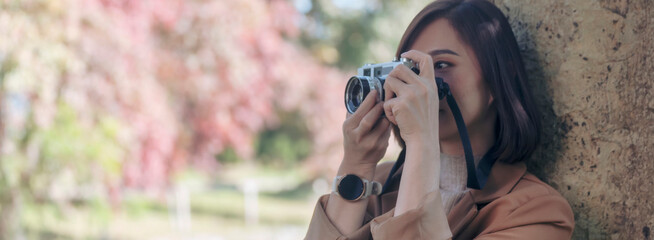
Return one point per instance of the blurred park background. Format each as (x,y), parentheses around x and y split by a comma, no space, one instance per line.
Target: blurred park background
(177,119)
(221,119)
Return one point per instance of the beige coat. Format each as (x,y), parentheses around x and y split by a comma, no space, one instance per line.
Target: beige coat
(514,204)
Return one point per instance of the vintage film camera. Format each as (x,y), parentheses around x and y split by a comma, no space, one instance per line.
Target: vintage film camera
(371,77)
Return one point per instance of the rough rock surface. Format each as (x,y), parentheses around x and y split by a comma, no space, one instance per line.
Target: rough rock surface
(591,68)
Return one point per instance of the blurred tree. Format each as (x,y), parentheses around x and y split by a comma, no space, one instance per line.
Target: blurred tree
(348,34)
(285,145)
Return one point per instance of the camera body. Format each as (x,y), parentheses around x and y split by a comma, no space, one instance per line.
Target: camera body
(371,77)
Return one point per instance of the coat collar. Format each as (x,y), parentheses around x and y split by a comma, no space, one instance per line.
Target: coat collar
(501,181)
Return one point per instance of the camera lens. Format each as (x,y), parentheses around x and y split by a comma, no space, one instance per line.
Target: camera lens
(357,94)
(356,90)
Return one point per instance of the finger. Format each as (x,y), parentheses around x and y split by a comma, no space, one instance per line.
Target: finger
(364,108)
(425,62)
(405,74)
(369,120)
(383,133)
(382,125)
(387,132)
(388,110)
(394,87)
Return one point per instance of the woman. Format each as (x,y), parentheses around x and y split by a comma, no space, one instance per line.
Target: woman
(469,44)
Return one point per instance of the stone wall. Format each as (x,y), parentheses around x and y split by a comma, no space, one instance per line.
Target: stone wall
(591,68)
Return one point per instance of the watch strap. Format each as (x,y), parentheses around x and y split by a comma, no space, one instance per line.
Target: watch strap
(372,188)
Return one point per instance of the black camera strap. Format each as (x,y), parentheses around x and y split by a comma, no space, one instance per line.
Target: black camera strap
(477,176)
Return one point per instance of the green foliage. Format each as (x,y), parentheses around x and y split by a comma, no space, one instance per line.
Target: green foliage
(286,144)
(71,154)
(228,156)
(283,145)
(69,142)
(350,35)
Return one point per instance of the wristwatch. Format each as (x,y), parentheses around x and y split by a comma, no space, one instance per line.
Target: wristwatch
(352,188)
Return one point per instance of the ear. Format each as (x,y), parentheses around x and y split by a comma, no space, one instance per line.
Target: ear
(491,99)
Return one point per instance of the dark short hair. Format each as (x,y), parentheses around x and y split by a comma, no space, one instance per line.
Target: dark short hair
(483,27)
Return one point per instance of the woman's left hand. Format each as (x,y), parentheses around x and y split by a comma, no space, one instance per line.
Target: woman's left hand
(414,109)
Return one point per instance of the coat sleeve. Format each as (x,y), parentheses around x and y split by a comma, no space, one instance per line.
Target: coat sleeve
(322,228)
(419,223)
(545,217)
(427,221)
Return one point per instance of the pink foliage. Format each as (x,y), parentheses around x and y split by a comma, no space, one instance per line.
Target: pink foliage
(191,78)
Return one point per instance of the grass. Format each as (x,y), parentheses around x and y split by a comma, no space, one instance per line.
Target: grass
(217,212)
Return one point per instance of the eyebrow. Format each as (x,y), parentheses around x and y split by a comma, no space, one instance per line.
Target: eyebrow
(442,51)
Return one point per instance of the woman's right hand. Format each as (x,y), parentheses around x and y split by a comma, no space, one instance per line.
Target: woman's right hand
(366,136)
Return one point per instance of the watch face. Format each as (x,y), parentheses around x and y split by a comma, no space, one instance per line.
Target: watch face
(351,187)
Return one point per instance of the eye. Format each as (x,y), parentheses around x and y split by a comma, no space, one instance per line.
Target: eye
(441,65)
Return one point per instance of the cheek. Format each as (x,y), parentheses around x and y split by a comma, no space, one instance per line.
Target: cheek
(471,94)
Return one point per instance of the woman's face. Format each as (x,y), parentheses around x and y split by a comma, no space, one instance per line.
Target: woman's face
(456,63)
